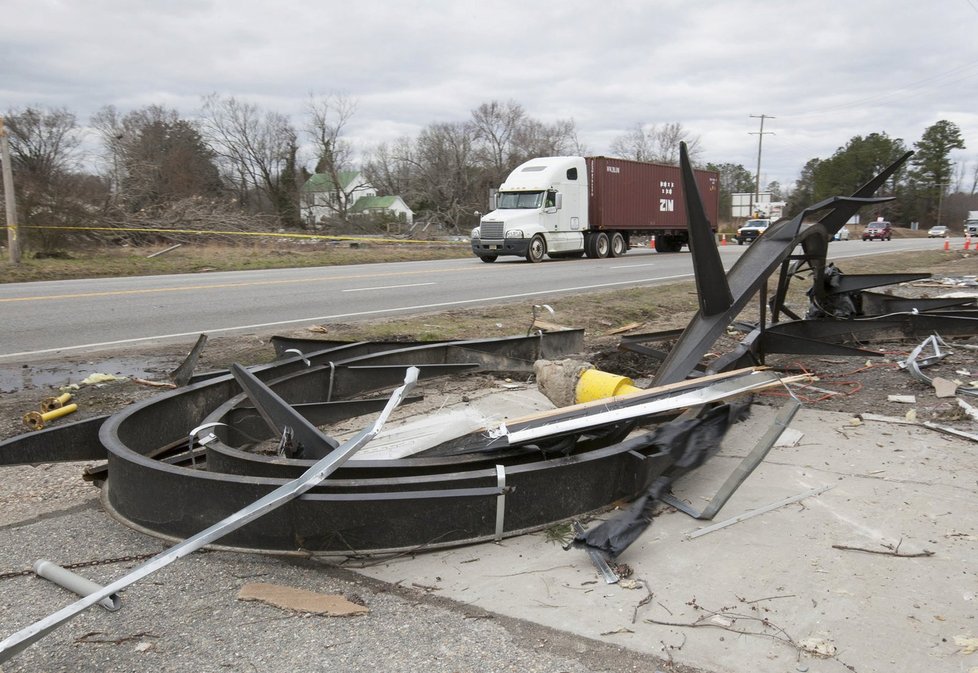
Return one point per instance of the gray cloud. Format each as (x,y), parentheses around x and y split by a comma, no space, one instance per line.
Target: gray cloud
(825,71)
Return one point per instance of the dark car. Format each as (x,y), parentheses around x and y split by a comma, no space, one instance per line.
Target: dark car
(879,229)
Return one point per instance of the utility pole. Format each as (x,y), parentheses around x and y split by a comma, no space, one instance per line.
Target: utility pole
(13,245)
(760,141)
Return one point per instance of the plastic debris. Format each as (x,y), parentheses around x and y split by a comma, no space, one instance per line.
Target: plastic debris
(92,379)
(691,442)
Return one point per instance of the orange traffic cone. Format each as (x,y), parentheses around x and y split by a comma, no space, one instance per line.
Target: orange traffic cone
(652,243)
(967,242)
(947,243)
(723,239)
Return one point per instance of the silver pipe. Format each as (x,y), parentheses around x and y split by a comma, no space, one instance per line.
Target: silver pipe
(76,583)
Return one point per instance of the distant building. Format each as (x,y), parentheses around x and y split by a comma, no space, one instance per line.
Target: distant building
(381,204)
(321,196)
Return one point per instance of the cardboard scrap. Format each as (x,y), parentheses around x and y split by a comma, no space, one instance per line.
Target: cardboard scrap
(944,387)
(904,399)
(300,600)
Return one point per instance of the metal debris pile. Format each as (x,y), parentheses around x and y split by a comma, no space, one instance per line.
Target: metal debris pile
(183,464)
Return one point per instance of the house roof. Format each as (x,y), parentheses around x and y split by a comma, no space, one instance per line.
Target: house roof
(365,203)
(323,182)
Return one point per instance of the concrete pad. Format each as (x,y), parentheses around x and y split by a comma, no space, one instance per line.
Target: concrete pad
(783,591)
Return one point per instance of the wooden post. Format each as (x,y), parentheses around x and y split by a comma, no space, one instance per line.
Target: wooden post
(13,244)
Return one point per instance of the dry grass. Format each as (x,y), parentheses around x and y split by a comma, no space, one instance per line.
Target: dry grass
(203,257)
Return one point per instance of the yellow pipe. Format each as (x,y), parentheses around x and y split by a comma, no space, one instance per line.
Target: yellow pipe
(52,403)
(36,421)
(595,384)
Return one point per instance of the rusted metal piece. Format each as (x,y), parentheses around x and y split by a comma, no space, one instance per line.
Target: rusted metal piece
(184,372)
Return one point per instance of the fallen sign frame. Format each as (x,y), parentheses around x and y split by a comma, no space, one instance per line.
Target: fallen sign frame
(744,469)
(316,474)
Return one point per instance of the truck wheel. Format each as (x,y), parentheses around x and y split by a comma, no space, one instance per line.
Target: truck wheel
(488,259)
(536,250)
(589,246)
(602,246)
(618,247)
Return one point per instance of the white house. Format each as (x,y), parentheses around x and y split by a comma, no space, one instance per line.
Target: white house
(320,193)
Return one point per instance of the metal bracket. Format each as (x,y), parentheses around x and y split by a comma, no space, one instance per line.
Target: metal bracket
(500,500)
(744,469)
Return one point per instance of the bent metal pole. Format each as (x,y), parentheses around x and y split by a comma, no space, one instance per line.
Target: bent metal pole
(281,495)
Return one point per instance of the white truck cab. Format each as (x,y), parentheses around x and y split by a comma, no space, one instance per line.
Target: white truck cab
(541,209)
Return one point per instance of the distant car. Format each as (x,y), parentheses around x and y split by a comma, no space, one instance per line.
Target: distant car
(939,231)
(879,229)
(842,234)
(751,230)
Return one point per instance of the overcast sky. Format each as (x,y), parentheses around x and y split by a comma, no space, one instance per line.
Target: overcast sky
(825,70)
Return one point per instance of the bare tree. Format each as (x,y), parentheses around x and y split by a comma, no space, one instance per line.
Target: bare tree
(392,168)
(327,119)
(257,152)
(448,170)
(656,143)
(536,139)
(44,146)
(496,126)
(636,144)
(667,140)
(444,160)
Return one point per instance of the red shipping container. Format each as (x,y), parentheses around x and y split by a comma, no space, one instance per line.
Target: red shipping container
(644,197)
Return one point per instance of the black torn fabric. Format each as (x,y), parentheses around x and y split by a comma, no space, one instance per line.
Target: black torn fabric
(690,442)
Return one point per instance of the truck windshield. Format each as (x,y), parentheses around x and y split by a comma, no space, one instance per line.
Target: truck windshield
(757,223)
(519,200)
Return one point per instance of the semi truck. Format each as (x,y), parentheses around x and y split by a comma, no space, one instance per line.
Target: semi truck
(594,206)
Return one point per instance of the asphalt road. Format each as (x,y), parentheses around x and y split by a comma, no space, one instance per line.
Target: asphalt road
(61,317)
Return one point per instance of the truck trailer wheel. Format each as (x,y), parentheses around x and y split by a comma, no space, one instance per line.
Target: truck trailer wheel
(618,245)
(488,259)
(536,250)
(602,246)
